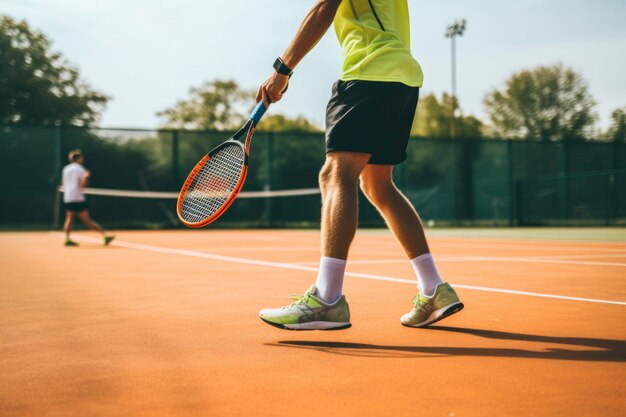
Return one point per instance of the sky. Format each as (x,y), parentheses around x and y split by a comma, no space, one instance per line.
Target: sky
(147,54)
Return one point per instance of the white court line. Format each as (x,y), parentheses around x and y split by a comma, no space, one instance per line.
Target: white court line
(556,259)
(544,246)
(203,255)
(531,260)
(591,256)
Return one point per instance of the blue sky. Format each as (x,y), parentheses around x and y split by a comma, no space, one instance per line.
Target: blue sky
(146,54)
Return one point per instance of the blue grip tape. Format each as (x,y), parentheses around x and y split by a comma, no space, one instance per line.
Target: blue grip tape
(258,112)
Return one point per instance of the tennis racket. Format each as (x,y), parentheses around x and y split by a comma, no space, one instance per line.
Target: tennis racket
(217,179)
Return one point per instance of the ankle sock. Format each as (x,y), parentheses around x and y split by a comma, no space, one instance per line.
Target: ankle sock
(330,279)
(427,275)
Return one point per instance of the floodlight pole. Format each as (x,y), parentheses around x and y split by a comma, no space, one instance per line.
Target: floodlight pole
(457,28)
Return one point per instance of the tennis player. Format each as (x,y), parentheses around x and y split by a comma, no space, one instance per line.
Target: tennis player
(368,122)
(75,178)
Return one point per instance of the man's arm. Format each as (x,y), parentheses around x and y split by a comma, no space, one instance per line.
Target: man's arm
(84,179)
(311,30)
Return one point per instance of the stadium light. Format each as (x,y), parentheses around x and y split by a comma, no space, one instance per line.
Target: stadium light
(456,28)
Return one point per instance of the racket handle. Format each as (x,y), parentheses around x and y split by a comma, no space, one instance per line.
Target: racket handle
(258,112)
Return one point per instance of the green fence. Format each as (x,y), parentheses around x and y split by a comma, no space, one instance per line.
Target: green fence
(585,198)
(450,182)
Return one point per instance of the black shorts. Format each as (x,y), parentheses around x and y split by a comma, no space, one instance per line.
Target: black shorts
(77,207)
(371,117)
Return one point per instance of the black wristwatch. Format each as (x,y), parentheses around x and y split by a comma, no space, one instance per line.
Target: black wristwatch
(281,68)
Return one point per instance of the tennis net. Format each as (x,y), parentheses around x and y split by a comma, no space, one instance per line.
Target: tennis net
(117,208)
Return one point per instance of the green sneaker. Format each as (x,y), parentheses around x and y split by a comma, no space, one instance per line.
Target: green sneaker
(108,239)
(309,313)
(69,242)
(431,309)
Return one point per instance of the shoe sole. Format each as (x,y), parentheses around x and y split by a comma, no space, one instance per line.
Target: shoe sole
(440,314)
(311,325)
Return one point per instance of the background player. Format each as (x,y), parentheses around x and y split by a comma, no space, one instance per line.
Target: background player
(75,179)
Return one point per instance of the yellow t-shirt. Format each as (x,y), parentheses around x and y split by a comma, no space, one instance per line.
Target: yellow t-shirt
(375,38)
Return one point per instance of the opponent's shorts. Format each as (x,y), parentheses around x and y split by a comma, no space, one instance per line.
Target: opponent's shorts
(77,207)
(372,117)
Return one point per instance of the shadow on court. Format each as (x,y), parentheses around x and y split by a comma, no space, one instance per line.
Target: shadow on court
(605,350)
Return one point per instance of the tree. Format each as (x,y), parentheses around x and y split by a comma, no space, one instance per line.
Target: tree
(617,130)
(282,123)
(37,86)
(222,105)
(548,103)
(433,117)
(216,104)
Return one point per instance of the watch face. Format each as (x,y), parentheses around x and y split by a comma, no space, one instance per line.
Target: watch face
(281,68)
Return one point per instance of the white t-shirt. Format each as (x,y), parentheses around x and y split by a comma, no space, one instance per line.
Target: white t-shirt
(72,190)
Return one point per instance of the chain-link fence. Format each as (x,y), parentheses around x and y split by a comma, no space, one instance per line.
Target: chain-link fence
(450,182)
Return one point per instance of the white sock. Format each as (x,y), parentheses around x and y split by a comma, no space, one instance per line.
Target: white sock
(427,276)
(330,279)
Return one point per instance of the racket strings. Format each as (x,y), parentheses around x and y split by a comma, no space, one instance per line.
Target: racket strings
(213,184)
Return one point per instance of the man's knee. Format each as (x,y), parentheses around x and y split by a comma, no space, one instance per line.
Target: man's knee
(377,189)
(341,171)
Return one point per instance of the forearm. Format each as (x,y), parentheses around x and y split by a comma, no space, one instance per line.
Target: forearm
(311,30)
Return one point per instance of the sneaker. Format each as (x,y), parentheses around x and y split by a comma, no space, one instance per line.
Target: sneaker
(108,239)
(431,309)
(69,242)
(309,313)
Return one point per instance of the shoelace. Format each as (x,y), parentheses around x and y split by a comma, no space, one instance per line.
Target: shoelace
(299,299)
(419,302)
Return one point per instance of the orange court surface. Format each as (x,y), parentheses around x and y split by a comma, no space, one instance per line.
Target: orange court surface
(165,323)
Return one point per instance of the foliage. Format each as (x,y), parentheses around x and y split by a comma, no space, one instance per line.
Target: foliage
(433,118)
(37,86)
(214,105)
(282,123)
(548,103)
(223,105)
(617,130)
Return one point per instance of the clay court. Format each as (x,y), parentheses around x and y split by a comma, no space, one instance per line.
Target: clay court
(166,324)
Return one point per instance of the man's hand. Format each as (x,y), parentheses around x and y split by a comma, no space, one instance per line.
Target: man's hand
(271,91)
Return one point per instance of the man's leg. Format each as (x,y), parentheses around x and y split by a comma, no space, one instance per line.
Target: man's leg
(339,185)
(67,226)
(339,179)
(404,222)
(399,214)
(84,217)
(323,306)
(437,300)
